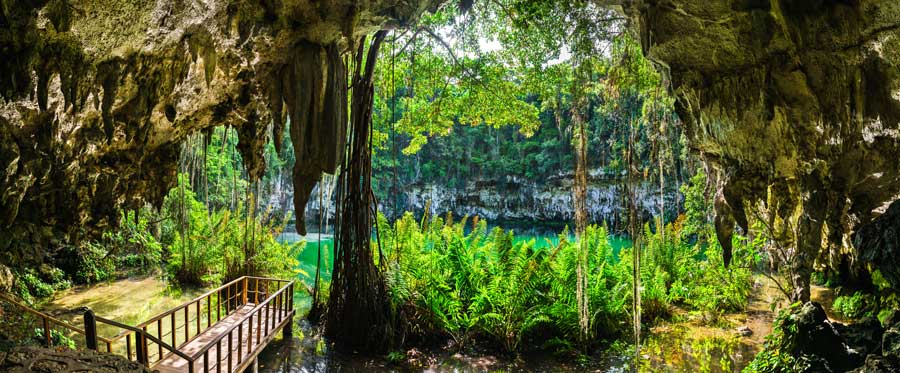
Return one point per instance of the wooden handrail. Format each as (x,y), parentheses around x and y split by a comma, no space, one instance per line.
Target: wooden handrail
(186,304)
(137,331)
(48,320)
(250,314)
(204,295)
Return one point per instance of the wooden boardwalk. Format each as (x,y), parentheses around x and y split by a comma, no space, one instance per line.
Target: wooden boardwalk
(237,354)
(223,330)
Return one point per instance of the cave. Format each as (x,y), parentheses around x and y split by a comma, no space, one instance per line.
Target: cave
(792,108)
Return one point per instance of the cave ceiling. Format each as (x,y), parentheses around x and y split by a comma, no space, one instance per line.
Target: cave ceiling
(97,97)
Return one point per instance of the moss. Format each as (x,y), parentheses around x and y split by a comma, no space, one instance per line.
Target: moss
(113,27)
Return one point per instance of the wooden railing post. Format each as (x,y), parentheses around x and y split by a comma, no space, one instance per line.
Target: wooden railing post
(240,342)
(256,292)
(47,339)
(141,347)
(187,321)
(288,330)
(173,331)
(90,329)
(198,317)
(218,304)
(244,292)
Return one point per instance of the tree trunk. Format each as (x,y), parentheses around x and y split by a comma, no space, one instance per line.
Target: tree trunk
(634,231)
(579,137)
(359,315)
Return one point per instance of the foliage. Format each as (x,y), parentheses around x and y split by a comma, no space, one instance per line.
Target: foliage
(853,306)
(463,280)
(775,356)
(93,263)
(490,94)
(211,247)
(133,244)
(29,285)
(132,247)
(57,338)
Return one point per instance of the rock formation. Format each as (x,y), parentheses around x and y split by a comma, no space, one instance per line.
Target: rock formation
(796,104)
(821,345)
(514,200)
(96,98)
(24,359)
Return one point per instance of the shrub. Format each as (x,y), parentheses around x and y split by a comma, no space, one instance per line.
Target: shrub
(56,338)
(776,355)
(211,247)
(30,287)
(854,306)
(93,263)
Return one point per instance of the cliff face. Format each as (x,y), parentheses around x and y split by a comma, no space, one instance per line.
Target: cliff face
(97,97)
(796,104)
(515,200)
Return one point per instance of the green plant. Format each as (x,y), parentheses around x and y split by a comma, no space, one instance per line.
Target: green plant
(30,286)
(487,283)
(209,247)
(854,306)
(57,338)
(776,355)
(93,263)
(396,357)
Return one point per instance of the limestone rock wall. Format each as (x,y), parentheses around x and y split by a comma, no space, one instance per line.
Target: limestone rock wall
(515,200)
(796,104)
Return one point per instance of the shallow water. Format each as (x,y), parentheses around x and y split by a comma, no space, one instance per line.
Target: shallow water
(129,301)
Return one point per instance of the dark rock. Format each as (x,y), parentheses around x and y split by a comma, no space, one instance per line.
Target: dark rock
(877,364)
(890,343)
(863,336)
(744,331)
(879,243)
(60,360)
(818,339)
(892,319)
(6,278)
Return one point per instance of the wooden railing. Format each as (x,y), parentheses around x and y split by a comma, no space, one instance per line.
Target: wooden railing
(165,334)
(48,324)
(275,312)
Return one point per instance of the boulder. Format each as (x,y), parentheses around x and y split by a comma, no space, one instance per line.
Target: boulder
(877,364)
(879,243)
(61,360)
(892,319)
(890,343)
(863,336)
(819,341)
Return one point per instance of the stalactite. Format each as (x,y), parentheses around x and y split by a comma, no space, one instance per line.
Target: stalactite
(315,91)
